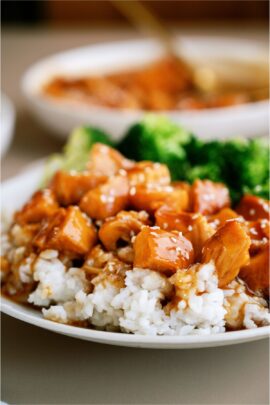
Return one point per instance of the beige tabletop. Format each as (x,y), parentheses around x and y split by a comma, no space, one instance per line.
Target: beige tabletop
(40,367)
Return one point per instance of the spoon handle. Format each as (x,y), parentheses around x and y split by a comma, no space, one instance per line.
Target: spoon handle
(142,18)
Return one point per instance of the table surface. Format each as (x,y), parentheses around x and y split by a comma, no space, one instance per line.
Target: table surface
(40,367)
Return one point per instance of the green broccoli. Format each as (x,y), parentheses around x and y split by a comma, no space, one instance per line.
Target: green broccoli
(209,171)
(157,138)
(205,159)
(75,153)
(247,163)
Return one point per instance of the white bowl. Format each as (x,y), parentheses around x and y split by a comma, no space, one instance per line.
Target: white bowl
(7,123)
(62,116)
(14,193)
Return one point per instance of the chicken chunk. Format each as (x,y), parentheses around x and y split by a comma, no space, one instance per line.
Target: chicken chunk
(219,219)
(150,198)
(107,199)
(228,248)
(256,273)
(162,251)
(252,208)
(69,231)
(258,232)
(122,227)
(69,187)
(100,265)
(149,173)
(97,258)
(42,205)
(193,226)
(208,197)
(106,161)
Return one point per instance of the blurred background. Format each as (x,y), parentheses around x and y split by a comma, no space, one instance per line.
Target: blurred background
(57,12)
(32,30)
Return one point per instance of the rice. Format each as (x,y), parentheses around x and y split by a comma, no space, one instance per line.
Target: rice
(140,302)
(138,306)
(244,310)
(202,311)
(55,282)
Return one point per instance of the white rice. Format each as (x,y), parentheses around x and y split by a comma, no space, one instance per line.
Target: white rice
(202,312)
(244,310)
(137,308)
(55,282)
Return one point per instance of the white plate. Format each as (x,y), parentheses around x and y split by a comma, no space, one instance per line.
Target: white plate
(61,117)
(15,192)
(7,123)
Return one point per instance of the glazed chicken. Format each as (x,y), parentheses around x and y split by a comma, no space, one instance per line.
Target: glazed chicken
(164,84)
(119,214)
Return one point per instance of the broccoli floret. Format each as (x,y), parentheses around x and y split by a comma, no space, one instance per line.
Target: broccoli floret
(205,159)
(247,163)
(157,138)
(75,153)
(209,171)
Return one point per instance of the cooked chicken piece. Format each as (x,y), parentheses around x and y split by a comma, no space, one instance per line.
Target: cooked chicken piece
(96,260)
(185,281)
(253,208)
(256,273)
(162,251)
(107,161)
(219,219)
(4,268)
(69,187)
(150,174)
(228,248)
(105,265)
(107,199)
(151,198)
(22,235)
(259,233)
(41,205)
(126,254)
(122,227)
(177,201)
(114,272)
(208,197)
(69,231)
(193,226)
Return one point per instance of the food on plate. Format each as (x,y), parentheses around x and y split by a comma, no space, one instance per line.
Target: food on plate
(117,245)
(241,164)
(162,85)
